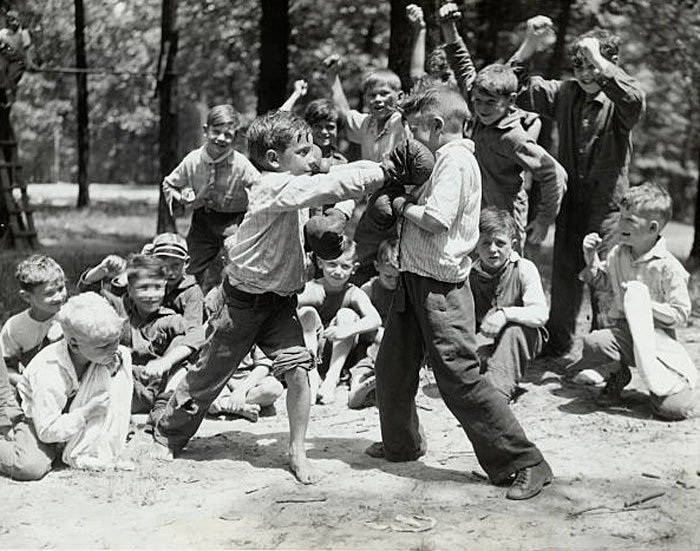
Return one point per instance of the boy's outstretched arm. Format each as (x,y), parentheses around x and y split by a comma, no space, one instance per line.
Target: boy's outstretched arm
(456,50)
(539,35)
(300,89)
(414,14)
(338,96)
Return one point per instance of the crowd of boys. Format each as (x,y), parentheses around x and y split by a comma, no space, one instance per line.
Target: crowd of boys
(436,275)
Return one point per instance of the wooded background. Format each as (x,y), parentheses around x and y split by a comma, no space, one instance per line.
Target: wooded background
(249,52)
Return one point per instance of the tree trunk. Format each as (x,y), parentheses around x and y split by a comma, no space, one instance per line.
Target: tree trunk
(274,39)
(82,107)
(400,42)
(559,49)
(167,91)
(694,259)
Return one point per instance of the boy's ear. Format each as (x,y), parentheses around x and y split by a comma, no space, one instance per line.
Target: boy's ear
(438,124)
(654,226)
(512,98)
(615,59)
(399,96)
(376,265)
(356,265)
(205,128)
(25,296)
(272,158)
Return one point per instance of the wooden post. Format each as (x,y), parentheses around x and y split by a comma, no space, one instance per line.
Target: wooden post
(167,91)
(82,107)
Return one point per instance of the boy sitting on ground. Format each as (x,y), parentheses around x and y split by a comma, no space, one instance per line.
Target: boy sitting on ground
(155,335)
(340,312)
(380,290)
(650,290)
(509,303)
(42,286)
(76,395)
(267,267)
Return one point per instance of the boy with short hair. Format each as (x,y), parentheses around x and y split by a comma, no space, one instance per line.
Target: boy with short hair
(155,334)
(42,286)
(509,303)
(267,267)
(595,113)
(76,396)
(505,147)
(380,290)
(377,132)
(650,300)
(341,312)
(213,181)
(433,310)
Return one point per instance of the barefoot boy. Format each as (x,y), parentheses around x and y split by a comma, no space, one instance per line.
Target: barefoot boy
(266,269)
(650,300)
(342,312)
(433,311)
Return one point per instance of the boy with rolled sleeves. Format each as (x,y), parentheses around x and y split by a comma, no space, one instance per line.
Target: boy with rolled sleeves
(212,181)
(267,267)
(509,303)
(650,300)
(595,113)
(433,311)
(506,149)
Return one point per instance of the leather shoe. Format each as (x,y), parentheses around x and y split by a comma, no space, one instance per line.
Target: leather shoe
(530,481)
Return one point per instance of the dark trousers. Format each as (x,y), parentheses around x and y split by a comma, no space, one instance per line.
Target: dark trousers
(505,361)
(576,219)
(268,320)
(206,237)
(429,316)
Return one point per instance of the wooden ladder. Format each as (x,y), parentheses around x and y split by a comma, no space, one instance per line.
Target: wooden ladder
(18,231)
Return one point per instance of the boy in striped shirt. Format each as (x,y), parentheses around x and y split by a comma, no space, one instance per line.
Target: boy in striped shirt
(433,310)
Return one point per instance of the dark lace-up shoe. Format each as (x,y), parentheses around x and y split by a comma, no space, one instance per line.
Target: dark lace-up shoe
(530,481)
(612,393)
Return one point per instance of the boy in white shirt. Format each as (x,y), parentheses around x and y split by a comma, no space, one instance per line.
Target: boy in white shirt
(88,370)
(42,286)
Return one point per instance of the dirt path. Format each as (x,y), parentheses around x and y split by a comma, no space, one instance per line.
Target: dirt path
(230,488)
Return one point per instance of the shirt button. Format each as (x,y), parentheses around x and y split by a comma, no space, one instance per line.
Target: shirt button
(580,175)
(581,150)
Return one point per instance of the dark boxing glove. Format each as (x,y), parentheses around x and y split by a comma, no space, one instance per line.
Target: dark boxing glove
(409,164)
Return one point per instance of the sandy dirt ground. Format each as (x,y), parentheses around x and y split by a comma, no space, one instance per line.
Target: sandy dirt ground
(230,487)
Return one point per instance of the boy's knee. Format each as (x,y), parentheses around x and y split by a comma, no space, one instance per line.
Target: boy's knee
(271,389)
(27,468)
(597,341)
(294,359)
(309,317)
(345,316)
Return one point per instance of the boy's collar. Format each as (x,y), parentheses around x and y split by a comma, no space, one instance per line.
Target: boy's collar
(461,142)
(658,250)
(386,124)
(509,120)
(209,159)
(514,257)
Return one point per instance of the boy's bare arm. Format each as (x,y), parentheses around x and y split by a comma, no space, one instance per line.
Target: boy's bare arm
(111,266)
(300,89)
(414,14)
(539,35)
(369,320)
(340,100)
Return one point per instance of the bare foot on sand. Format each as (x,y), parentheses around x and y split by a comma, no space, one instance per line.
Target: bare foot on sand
(160,452)
(303,469)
